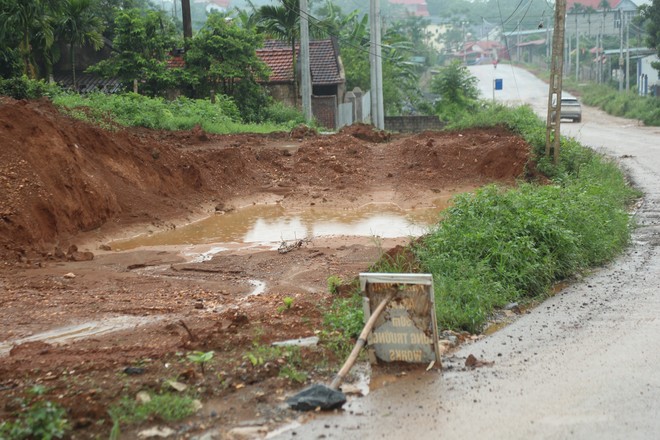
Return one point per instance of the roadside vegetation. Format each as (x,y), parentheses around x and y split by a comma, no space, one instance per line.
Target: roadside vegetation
(608,98)
(500,245)
(113,111)
(134,110)
(627,105)
(38,418)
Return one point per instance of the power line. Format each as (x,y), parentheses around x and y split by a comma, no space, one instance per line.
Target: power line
(506,44)
(314,21)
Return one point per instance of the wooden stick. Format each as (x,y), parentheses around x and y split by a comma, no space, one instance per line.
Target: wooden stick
(362,339)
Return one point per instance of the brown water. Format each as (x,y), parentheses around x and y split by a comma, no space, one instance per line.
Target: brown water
(265,224)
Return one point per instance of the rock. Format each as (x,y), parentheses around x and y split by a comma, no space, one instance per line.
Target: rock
(105,247)
(81,256)
(300,342)
(351,390)
(513,307)
(472,362)
(69,275)
(142,397)
(157,431)
(197,405)
(178,386)
(214,434)
(247,433)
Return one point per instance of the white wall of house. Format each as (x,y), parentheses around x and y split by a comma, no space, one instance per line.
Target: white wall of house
(646,69)
(649,78)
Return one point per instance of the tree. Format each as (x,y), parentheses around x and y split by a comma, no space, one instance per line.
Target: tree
(248,19)
(27,19)
(281,23)
(222,57)
(457,89)
(143,41)
(651,15)
(400,76)
(79,25)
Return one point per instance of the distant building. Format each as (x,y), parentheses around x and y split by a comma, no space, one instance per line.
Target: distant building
(327,72)
(648,81)
(215,5)
(591,17)
(417,8)
(483,51)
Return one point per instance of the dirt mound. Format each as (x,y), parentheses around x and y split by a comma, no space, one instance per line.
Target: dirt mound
(61,176)
(366,133)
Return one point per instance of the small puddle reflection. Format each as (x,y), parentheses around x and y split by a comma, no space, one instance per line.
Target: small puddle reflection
(273,224)
(71,333)
(259,287)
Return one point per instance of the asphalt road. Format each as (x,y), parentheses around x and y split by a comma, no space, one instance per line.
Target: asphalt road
(585,364)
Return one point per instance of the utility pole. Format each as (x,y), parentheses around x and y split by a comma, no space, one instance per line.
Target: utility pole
(304,62)
(552,132)
(620,50)
(628,56)
(375,55)
(187,21)
(577,57)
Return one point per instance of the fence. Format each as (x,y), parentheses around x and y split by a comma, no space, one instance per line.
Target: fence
(356,108)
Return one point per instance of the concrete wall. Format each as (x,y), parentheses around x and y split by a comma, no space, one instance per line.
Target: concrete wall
(412,124)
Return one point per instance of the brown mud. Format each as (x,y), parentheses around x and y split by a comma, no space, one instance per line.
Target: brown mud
(68,189)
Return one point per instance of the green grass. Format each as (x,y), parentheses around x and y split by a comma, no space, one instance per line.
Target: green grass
(134,110)
(499,245)
(167,407)
(624,104)
(36,418)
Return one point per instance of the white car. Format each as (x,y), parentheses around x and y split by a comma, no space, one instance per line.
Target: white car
(570,109)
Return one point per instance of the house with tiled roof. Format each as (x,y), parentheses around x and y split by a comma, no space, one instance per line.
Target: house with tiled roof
(417,8)
(214,5)
(482,51)
(597,17)
(327,76)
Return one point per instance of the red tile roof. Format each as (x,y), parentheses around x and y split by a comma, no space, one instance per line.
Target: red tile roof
(593,3)
(416,7)
(322,58)
(279,61)
(175,62)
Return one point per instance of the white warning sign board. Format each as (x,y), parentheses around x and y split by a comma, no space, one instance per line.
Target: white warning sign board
(407,330)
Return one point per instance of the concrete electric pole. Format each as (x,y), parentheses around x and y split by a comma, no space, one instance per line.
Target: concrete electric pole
(304,62)
(187,21)
(620,51)
(552,131)
(375,59)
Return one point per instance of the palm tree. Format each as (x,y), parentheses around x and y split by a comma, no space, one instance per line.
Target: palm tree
(576,10)
(27,18)
(248,18)
(588,11)
(281,22)
(79,25)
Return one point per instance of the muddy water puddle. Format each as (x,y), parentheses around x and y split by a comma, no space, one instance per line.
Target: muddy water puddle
(268,224)
(67,334)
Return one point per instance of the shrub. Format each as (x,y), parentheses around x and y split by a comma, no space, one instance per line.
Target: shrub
(24,88)
(42,420)
(501,245)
